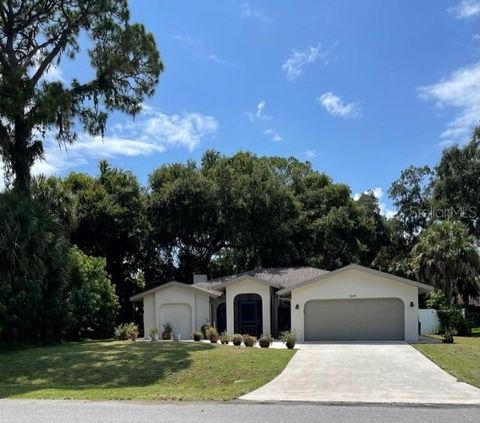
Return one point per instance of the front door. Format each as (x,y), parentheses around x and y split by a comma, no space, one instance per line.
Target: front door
(248,317)
(248,314)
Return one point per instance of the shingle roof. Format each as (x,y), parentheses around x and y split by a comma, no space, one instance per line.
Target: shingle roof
(207,290)
(423,288)
(282,277)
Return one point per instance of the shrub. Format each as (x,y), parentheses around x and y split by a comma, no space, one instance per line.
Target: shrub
(121,332)
(153,333)
(289,338)
(447,337)
(92,303)
(237,339)
(167,331)
(197,336)
(450,316)
(436,299)
(212,334)
(132,331)
(204,330)
(34,272)
(225,338)
(127,331)
(464,327)
(265,341)
(451,319)
(249,341)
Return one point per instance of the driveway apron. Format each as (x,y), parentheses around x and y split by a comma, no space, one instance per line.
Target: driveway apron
(364,372)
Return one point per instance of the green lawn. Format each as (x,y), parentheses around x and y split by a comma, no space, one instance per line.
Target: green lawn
(138,370)
(461,359)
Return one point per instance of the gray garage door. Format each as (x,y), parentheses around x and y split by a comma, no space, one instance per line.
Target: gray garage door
(356,319)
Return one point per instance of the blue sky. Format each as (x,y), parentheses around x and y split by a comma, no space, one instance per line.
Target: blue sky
(362,89)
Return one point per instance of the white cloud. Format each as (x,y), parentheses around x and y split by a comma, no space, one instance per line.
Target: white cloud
(152,132)
(199,49)
(247,11)
(53,74)
(214,58)
(298,60)
(259,113)
(334,105)
(378,194)
(184,130)
(461,91)
(309,154)
(274,134)
(465,9)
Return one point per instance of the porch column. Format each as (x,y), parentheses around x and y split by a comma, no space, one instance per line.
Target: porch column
(266,325)
(229,298)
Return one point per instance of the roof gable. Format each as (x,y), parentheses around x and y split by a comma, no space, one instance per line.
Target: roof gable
(422,287)
(246,277)
(211,292)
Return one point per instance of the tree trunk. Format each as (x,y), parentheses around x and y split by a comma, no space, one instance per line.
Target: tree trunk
(22,180)
(20,157)
(448,292)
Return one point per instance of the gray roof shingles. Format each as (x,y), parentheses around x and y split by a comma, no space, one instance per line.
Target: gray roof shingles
(283,277)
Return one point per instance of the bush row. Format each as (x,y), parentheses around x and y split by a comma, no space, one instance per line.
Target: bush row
(129,331)
(211,333)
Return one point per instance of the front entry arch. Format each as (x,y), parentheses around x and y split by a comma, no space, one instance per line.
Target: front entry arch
(248,314)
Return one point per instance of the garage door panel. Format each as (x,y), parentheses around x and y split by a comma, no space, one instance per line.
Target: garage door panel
(180,316)
(355,319)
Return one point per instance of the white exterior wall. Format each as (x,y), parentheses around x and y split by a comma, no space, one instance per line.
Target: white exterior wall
(356,284)
(213,309)
(248,286)
(148,313)
(202,310)
(198,302)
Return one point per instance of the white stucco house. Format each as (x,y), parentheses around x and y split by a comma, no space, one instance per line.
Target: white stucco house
(350,303)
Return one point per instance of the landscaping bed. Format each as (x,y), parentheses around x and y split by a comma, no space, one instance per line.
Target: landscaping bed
(138,371)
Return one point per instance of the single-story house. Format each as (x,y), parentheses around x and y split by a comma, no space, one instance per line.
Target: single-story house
(350,303)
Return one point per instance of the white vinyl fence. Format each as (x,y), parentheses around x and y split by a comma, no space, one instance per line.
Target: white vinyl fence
(428,319)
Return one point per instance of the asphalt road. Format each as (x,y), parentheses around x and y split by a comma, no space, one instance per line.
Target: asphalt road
(35,411)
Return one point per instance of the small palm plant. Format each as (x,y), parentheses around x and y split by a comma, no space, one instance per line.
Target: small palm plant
(212,334)
(167,331)
(153,333)
(289,338)
(265,341)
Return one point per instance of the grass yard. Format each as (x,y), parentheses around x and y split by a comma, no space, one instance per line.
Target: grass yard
(138,370)
(461,359)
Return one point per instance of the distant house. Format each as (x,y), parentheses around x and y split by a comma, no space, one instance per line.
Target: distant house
(351,303)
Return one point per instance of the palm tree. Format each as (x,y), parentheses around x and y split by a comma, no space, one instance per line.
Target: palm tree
(447,257)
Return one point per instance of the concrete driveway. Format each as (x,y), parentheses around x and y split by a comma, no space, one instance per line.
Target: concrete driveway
(367,372)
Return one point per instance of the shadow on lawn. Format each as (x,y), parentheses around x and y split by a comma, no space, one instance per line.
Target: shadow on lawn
(93,365)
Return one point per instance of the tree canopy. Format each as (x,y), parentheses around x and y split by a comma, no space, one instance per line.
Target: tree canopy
(446,257)
(36,36)
(235,213)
